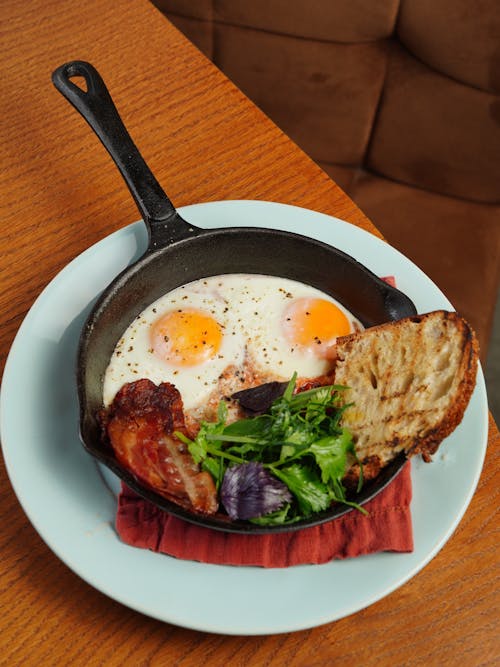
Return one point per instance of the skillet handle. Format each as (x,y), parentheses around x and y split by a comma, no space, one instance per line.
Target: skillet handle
(95,104)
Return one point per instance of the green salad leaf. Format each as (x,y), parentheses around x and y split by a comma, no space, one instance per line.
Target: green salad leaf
(299,441)
(305,484)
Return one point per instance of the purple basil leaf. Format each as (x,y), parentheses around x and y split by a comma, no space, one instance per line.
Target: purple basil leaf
(248,490)
(259,399)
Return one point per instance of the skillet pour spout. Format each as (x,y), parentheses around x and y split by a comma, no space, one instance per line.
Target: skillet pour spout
(179,252)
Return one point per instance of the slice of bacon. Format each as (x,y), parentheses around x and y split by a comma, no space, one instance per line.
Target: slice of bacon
(140,424)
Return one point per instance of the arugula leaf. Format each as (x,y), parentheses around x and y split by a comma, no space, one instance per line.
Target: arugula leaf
(254,426)
(216,467)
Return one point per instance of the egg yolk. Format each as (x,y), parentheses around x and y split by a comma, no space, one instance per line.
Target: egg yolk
(314,324)
(185,338)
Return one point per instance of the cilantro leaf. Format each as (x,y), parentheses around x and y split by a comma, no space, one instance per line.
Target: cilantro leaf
(311,494)
(330,453)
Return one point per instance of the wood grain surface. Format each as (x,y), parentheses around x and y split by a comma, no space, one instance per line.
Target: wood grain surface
(60,194)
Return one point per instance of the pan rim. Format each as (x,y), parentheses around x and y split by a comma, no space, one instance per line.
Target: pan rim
(135,267)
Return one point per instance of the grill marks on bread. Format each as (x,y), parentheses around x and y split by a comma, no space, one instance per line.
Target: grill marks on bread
(410,382)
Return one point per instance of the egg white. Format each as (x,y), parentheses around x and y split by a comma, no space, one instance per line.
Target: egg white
(250,310)
(134,357)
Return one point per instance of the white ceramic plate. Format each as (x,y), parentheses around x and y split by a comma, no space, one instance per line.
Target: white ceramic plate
(66,499)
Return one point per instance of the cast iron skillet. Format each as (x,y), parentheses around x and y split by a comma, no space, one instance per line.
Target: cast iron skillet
(178,253)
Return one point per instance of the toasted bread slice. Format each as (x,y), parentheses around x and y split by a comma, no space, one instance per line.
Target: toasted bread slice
(409,382)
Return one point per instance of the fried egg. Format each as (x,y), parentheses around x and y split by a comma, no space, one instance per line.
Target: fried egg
(215,335)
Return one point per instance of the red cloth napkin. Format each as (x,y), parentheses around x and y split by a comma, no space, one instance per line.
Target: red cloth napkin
(388,527)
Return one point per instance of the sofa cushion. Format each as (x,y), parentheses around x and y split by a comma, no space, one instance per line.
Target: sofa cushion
(436,133)
(322,94)
(459,38)
(339,21)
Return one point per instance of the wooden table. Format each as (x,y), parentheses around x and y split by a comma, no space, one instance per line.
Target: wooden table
(205,141)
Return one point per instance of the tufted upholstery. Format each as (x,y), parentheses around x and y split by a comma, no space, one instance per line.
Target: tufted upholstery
(398,100)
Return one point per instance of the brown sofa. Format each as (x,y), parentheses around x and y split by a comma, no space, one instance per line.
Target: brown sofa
(398,100)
